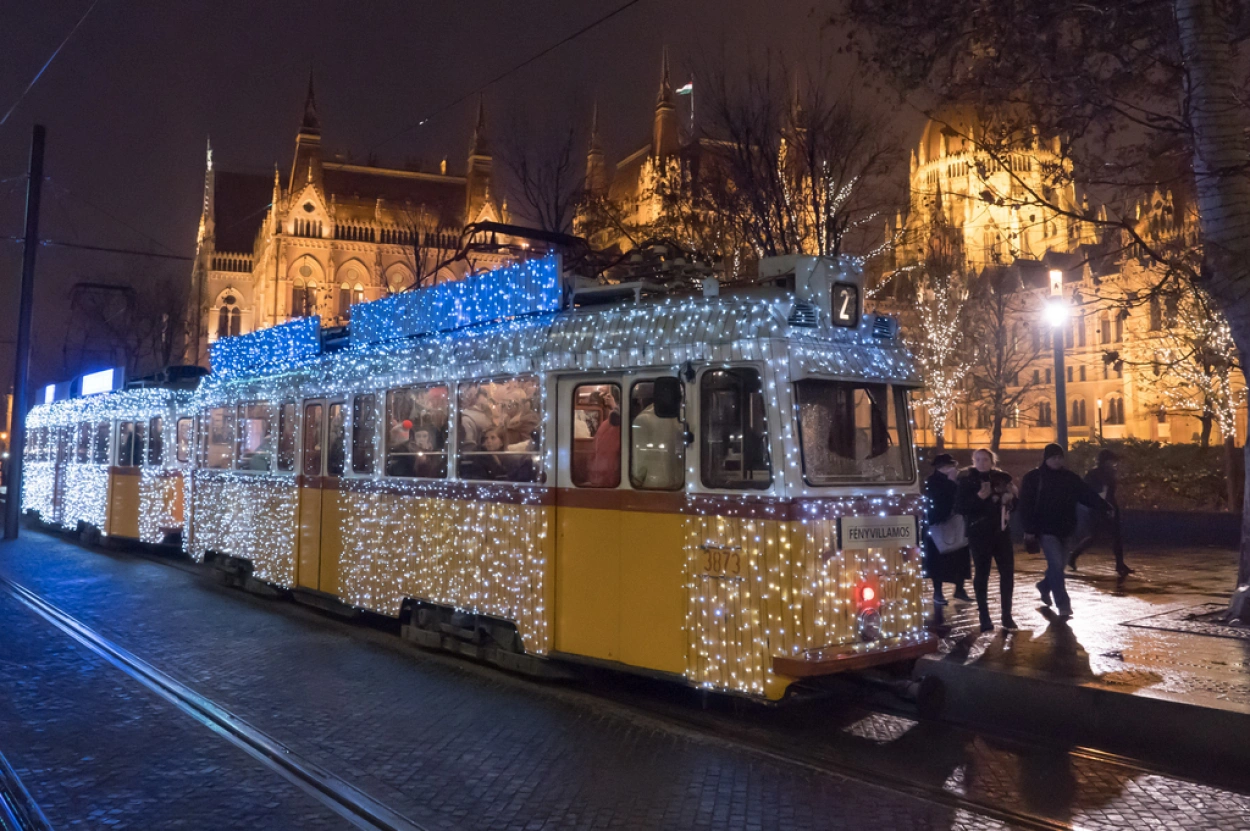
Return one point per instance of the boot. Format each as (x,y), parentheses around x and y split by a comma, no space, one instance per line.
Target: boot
(1044,591)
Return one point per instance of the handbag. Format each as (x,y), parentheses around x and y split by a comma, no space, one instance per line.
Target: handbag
(950,534)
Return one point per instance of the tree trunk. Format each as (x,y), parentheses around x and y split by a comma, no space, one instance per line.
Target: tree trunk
(1206,419)
(1220,151)
(1233,475)
(941,441)
(996,432)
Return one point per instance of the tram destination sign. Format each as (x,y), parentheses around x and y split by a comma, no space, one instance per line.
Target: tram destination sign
(877,531)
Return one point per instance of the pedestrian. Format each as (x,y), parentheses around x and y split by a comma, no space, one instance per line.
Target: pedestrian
(986,498)
(1049,495)
(952,566)
(1103,478)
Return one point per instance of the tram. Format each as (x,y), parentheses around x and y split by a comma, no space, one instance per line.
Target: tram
(718,487)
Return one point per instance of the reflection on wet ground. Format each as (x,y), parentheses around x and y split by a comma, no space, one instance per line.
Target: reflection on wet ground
(1096,646)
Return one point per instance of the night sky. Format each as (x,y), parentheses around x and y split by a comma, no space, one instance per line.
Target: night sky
(130,100)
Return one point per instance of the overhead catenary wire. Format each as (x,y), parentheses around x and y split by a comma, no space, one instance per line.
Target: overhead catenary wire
(48,62)
(51,243)
(517,68)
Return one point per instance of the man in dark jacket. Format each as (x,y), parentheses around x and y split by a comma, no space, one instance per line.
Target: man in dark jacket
(1049,495)
(1103,478)
(986,498)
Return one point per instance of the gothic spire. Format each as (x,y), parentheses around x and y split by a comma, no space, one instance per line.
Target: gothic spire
(595,145)
(665,95)
(312,124)
(478,146)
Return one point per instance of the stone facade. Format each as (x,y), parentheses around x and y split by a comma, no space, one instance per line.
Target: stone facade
(334,234)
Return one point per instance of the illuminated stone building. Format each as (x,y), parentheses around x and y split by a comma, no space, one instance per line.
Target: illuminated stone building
(330,234)
(984,207)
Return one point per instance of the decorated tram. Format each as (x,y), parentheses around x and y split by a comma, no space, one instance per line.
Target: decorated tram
(716,486)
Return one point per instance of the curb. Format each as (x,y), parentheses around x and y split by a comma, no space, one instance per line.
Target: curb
(1144,725)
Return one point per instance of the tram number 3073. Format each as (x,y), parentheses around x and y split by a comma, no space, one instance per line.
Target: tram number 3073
(722,561)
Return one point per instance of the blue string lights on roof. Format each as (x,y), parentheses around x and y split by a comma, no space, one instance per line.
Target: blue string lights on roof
(294,340)
(524,288)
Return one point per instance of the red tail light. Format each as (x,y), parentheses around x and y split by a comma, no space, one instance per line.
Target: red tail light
(867,595)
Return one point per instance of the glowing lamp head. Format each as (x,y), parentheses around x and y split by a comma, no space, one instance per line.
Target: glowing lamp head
(867,594)
(1056,313)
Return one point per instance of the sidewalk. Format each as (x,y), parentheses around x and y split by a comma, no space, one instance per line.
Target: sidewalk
(1137,669)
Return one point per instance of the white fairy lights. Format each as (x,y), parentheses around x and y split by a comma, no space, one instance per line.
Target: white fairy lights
(490,548)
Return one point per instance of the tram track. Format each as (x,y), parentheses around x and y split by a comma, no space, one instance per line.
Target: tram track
(338,795)
(18,810)
(755,739)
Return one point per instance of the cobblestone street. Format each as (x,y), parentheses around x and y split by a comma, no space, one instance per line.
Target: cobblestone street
(453,745)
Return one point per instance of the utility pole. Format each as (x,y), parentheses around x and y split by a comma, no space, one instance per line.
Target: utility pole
(21,370)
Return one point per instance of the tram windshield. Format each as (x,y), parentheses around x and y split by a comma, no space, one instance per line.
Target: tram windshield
(854,431)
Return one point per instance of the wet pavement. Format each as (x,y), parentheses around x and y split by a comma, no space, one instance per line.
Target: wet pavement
(454,745)
(1126,635)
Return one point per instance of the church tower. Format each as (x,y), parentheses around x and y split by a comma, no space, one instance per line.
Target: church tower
(664,140)
(307,165)
(477,178)
(596,163)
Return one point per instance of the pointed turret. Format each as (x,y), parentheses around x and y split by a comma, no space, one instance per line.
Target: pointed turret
(208,210)
(478,175)
(307,165)
(664,130)
(596,163)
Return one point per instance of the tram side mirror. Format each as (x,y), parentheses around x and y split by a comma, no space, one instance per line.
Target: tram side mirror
(668,397)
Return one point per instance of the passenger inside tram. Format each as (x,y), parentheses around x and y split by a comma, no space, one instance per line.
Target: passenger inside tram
(499,430)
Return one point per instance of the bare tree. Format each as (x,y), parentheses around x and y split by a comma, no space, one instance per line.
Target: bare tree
(793,158)
(1002,348)
(1126,89)
(142,323)
(547,179)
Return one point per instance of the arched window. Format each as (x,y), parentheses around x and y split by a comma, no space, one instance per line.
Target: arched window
(1078,412)
(345,298)
(1104,323)
(310,298)
(1044,417)
(299,298)
(228,315)
(1115,411)
(358,294)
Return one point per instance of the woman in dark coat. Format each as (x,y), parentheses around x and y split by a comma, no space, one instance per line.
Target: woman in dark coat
(953,566)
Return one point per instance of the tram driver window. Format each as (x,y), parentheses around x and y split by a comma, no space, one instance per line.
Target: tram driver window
(84,442)
(416,432)
(364,430)
(286,437)
(312,439)
(335,457)
(185,431)
(156,441)
(100,447)
(219,438)
(853,431)
(734,450)
(255,437)
(596,452)
(657,452)
(499,429)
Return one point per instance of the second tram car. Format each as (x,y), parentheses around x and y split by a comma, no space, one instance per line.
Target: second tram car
(718,488)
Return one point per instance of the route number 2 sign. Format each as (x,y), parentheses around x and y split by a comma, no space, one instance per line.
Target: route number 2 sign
(845,304)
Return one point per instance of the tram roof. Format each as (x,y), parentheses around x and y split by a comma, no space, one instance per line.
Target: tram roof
(654,332)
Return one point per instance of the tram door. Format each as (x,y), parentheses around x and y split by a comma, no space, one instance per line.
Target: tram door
(322,463)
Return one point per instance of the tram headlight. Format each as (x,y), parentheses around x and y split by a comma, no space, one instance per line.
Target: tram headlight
(870,624)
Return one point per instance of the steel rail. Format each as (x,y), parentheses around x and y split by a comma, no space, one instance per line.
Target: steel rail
(341,797)
(18,810)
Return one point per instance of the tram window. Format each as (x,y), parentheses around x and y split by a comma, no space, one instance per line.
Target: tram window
(84,442)
(499,428)
(416,432)
(219,438)
(156,441)
(286,437)
(335,458)
(137,449)
(364,430)
(100,447)
(185,431)
(255,437)
(312,439)
(596,451)
(657,452)
(853,431)
(734,430)
(125,444)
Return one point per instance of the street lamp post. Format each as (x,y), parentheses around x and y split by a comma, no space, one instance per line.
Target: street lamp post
(1100,421)
(1057,316)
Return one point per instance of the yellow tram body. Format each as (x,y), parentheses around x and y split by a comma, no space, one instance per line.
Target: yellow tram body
(524,485)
